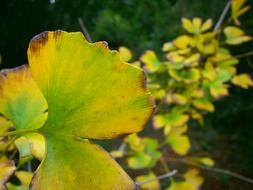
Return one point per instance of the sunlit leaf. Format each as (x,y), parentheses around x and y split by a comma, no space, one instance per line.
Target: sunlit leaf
(183,42)
(178,141)
(139,160)
(125,54)
(152,185)
(150,60)
(203,104)
(92,95)
(24,177)
(235,35)
(173,119)
(206,25)
(6,171)
(238,9)
(187,76)
(201,160)
(192,181)
(242,80)
(20,99)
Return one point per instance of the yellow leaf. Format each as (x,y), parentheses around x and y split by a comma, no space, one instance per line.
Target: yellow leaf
(218,92)
(150,61)
(152,185)
(203,104)
(117,153)
(197,24)
(192,181)
(21,101)
(172,119)
(125,54)
(24,177)
(6,171)
(206,25)
(187,25)
(168,46)
(178,141)
(238,9)
(183,42)
(235,35)
(242,80)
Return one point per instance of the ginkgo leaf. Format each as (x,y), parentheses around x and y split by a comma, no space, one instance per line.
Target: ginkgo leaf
(21,100)
(203,104)
(173,119)
(6,171)
(125,54)
(178,141)
(235,35)
(242,80)
(31,144)
(152,185)
(24,177)
(183,42)
(91,94)
(238,9)
(192,181)
(206,25)
(187,25)
(150,60)
(202,160)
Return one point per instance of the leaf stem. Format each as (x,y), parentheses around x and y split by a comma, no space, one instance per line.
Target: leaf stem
(17,132)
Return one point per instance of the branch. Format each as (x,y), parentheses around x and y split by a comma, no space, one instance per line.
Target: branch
(169,174)
(212,169)
(84,29)
(222,16)
(224,171)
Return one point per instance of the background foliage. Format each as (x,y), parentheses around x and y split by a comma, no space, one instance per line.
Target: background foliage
(142,25)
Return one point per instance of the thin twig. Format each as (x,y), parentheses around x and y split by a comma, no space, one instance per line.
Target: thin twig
(223,15)
(84,29)
(224,171)
(213,169)
(169,174)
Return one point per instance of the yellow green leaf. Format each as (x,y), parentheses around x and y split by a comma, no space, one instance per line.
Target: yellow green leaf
(152,185)
(235,35)
(202,160)
(173,119)
(187,76)
(187,25)
(192,181)
(24,177)
(206,25)
(218,92)
(17,187)
(125,54)
(21,101)
(117,153)
(37,145)
(91,94)
(203,104)
(238,9)
(168,46)
(178,141)
(150,60)
(183,42)
(243,81)
(6,171)
(139,161)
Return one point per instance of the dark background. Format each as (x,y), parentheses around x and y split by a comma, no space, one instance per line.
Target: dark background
(141,25)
